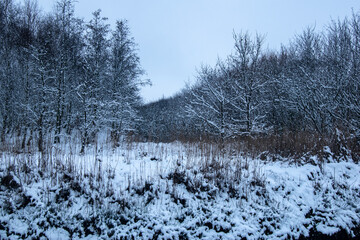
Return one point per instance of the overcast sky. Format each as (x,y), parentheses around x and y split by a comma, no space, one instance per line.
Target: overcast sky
(176,36)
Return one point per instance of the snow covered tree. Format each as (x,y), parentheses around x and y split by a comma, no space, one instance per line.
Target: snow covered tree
(96,75)
(41,91)
(8,66)
(28,30)
(231,98)
(123,86)
(338,58)
(306,81)
(353,97)
(67,45)
(248,83)
(209,103)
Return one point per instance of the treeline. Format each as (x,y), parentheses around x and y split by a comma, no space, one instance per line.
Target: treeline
(311,86)
(59,73)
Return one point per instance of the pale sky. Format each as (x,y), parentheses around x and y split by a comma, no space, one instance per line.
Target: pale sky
(175,37)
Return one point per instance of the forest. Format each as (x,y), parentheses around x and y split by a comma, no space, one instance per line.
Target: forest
(85,157)
(60,75)
(307,93)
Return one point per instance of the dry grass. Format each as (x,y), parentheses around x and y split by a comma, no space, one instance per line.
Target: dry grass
(222,165)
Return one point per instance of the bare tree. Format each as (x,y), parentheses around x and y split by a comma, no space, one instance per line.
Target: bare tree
(248,83)
(209,102)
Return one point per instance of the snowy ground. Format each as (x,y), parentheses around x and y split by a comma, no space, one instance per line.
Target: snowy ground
(174,191)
